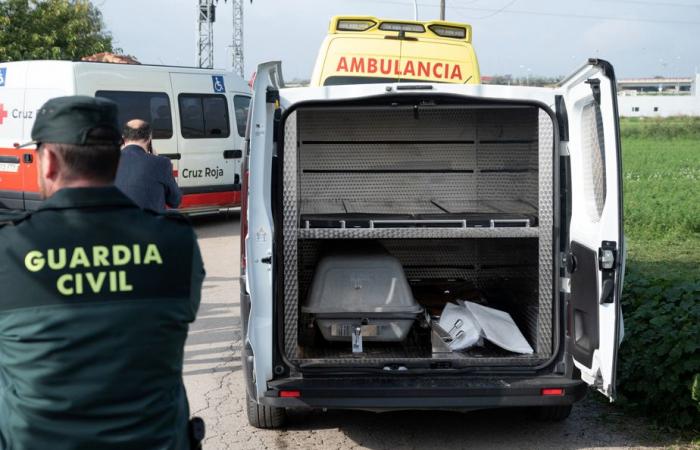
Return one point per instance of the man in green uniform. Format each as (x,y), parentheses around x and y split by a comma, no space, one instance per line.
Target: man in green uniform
(96,298)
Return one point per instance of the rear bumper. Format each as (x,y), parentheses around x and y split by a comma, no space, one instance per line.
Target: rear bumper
(393,393)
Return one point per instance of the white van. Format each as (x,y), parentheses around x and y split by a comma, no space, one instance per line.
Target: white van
(476,197)
(198,118)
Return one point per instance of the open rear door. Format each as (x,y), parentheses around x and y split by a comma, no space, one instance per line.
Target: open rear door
(259,239)
(595,257)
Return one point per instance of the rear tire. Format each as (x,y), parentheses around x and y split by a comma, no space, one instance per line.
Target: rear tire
(553,413)
(262,416)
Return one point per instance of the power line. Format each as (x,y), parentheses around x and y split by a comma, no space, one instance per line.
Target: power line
(639,2)
(550,14)
(498,11)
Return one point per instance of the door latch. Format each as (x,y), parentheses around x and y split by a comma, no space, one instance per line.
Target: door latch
(607,261)
(266,260)
(571,262)
(607,254)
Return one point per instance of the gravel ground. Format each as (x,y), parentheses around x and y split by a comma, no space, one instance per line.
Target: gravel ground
(216,391)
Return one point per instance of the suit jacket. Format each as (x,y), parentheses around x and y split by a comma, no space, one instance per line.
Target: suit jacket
(147,179)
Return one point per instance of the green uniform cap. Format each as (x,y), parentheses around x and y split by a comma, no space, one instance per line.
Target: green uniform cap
(72,119)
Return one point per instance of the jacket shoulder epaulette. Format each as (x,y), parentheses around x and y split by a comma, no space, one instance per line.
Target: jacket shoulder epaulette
(13,217)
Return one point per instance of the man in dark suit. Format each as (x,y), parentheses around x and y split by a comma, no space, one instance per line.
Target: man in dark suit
(145,178)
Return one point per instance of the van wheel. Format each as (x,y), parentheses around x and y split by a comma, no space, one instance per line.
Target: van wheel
(553,413)
(261,416)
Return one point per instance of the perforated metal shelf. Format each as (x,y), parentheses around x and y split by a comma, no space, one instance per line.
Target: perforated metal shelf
(417,233)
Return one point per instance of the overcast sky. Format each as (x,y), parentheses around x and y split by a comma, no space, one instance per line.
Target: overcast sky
(539,37)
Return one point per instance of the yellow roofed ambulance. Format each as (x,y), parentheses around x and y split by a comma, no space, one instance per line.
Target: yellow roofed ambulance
(364,49)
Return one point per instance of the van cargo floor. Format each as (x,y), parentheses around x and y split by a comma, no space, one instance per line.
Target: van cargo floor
(415,348)
(412,347)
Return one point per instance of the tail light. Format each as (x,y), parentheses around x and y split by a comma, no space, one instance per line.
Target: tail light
(244,218)
(556,392)
(290,394)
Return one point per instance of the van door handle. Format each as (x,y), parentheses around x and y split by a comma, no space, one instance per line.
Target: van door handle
(28,158)
(266,260)
(232,154)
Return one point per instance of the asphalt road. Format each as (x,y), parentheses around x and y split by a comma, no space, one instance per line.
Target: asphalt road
(216,392)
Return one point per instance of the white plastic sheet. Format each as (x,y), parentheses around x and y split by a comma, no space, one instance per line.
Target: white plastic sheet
(461,326)
(499,328)
(467,322)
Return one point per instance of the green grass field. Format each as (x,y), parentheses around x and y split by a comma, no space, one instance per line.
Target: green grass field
(659,360)
(661,176)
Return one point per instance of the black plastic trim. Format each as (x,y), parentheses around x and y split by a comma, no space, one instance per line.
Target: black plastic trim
(9,159)
(210,189)
(408,87)
(391,393)
(562,117)
(233,154)
(272,95)
(595,88)
(175,156)
(399,171)
(585,330)
(607,68)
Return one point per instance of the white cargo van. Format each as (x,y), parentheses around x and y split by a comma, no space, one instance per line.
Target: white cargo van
(507,198)
(198,117)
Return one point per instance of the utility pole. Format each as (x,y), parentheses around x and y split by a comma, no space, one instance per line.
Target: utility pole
(442,9)
(237,53)
(206,15)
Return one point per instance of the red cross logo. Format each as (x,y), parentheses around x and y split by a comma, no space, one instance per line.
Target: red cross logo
(3,113)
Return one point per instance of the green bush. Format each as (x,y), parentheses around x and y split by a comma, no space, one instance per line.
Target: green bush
(679,127)
(660,355)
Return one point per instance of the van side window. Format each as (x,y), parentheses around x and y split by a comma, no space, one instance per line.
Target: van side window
(241,104)
(593,149)
(153,107)
(203,116)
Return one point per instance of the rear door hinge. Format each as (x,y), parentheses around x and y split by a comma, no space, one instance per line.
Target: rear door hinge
(595,87)
(272,95)
(266,260)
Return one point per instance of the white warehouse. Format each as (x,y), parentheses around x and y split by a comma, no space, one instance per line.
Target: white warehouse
(634,99)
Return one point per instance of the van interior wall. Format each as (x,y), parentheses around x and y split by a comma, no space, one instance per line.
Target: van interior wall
(418,160)
(423,161)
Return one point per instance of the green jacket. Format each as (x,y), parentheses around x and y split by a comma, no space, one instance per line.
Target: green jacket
(95,300)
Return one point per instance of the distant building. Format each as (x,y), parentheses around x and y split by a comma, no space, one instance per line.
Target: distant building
(659,97)
(656,85)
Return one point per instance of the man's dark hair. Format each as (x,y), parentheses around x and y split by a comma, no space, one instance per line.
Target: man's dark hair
(96,160)
(140,133)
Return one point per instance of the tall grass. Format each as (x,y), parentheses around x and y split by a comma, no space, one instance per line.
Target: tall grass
(660,356)
(661,176)
(679,127)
